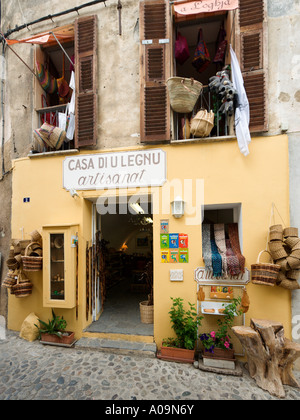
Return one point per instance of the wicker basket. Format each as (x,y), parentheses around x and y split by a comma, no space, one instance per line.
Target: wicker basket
(31,262)
(293,274)
(277,250)
(277,228)
(276,235)
(23,287)
(10,279)
(146,312)
(183,93)
(264,273)
(290,231)
(292,242)
(36,236)
(293,263)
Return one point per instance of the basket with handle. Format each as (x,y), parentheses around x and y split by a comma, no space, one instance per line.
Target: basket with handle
(23,287)
(31,262)
(264,273)
(183,93)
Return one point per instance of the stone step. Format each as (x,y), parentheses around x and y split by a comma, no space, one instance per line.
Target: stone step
(125,347)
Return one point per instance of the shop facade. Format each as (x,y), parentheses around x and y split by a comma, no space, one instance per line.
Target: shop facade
(200,174)
(131,147)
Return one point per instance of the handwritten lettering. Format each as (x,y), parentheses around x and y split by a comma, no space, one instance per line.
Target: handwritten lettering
(206,6)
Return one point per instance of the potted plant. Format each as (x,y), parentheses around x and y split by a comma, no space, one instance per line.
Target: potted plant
(54,332)
(185,325)
(217,343)
(146,307)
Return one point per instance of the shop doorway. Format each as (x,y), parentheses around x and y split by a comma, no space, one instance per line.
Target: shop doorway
(123,240)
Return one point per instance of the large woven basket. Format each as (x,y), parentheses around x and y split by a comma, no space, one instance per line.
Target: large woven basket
(183,93)
(23,287)
(146,312)
(30,262)
(202,123)
(264,273)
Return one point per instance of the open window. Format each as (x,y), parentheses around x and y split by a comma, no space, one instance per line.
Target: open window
(61,52)
(245,30)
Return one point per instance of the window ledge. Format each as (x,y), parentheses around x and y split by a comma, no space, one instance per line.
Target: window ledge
(54,153)
(204,140)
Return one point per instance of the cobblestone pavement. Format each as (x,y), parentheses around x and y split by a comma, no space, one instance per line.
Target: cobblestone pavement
(32,371)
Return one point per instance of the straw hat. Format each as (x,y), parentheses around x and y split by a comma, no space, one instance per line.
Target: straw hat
(50,135)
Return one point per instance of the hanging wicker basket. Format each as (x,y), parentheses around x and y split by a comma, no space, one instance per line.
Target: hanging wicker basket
(264,273)
(23,287)
(146,312)
(183,93)
(31,262)
(10,279)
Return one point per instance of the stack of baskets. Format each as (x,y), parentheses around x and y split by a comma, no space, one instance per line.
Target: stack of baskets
(284,247)
(33,260)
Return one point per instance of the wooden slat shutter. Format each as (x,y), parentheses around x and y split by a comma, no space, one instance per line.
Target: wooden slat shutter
(254,60)
(86,87)
(155,29)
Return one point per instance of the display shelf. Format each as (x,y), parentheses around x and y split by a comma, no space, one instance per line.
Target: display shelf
(213,308)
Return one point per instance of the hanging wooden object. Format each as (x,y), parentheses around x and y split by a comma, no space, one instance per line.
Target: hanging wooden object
(245,302)
(270,355)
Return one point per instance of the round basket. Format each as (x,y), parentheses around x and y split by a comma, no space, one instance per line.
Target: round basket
(276,235)
(10,279)
(31,262)
(146,312)
(283,264)
(293,262)
(291,242)
(183,93)
(277,228)
(22,288)
(293,274)
(264,273)
(36,236)
(12,263)
(202,123)
(290,231)
(277,250)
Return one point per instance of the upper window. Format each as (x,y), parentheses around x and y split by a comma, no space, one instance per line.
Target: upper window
(160,27)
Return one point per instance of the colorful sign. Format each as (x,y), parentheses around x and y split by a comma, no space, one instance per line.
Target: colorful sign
(164,241)
(174,256)
(183,240)
(165,256)
(164,226)
(183,255)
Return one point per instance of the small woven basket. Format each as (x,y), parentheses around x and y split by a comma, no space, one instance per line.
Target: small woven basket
(146,312)
(264,273)
(290,231)
(23,287)
(293,274)
(10,279)
(202,123)
(31,262)
(277,250)
(183,93)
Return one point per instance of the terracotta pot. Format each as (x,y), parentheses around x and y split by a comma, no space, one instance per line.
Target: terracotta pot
(177,354)
(227,354)
(64,339)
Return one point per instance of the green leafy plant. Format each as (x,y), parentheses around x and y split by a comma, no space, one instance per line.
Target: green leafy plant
(56,325)
(185,324)
(221,338)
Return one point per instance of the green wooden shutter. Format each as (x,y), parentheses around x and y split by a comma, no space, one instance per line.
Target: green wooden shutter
(86,76)
(155,29)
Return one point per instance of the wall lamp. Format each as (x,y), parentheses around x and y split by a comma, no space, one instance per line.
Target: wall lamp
(177,207)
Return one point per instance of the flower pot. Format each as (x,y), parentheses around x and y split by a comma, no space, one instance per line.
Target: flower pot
(225,354)
(176,354)
(55,340)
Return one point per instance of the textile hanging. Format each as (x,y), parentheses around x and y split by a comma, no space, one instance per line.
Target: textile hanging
(216,259)
(219,232)
(233,234)
(233,265)
(47,81)
(206,247)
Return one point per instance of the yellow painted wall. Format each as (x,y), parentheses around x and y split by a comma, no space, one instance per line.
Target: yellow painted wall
(256,181)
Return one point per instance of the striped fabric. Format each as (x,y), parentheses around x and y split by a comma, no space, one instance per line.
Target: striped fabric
(219,231)
(47,81)
(206,247)
(233,232)
(216,259)
(233,265)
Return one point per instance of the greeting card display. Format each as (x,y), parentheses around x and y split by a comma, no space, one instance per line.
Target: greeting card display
(183,240)
(183,255)
(174,256)
(164,241)
(165,256)
(173,240)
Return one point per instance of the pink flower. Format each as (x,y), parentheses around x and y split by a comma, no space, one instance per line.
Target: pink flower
(213,334)
(227,344)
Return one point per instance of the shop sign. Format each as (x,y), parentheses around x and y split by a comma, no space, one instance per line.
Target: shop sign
(205,6)
(205,277)
(115,170)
